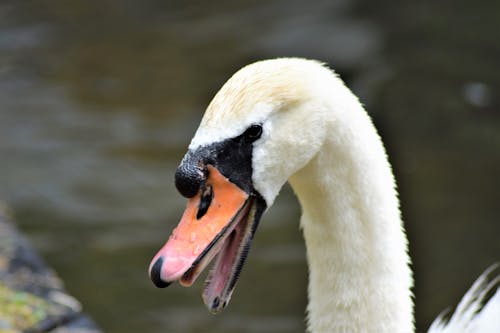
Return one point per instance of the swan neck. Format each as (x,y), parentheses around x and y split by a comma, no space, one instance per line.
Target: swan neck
(359,278)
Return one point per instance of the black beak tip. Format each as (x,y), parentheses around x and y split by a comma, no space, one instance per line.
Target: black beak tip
(155,274)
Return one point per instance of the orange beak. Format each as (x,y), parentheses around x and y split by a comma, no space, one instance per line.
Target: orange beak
(222,214)
(210,217)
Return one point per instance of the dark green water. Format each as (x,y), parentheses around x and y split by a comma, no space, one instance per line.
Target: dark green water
(99,100)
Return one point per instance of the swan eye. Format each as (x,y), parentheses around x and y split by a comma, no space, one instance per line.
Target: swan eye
(253,133)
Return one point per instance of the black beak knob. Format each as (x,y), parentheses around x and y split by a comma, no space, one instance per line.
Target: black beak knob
(190,175)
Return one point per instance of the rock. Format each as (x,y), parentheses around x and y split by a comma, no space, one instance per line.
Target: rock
(32,297)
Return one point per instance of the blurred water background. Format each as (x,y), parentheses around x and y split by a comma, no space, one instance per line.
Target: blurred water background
(99,100)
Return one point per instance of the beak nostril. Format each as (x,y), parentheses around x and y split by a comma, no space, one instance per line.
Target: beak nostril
(205,201)
(155,274)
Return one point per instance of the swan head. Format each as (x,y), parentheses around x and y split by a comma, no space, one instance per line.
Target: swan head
(266,123)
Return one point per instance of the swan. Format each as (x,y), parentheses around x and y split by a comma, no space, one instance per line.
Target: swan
(294,120)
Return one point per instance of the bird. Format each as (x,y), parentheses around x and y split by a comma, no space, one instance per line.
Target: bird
(294,120)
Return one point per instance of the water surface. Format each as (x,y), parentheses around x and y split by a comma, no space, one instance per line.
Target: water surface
(98,102)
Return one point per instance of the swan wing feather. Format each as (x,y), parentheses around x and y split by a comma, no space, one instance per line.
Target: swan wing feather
(474,313)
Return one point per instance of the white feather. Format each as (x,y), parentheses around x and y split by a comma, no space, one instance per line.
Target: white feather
(472,315)
(317,135)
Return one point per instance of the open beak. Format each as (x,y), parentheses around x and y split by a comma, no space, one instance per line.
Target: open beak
(219,220)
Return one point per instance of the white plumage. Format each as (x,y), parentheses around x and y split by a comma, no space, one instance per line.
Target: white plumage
(317,135)
(472,315)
